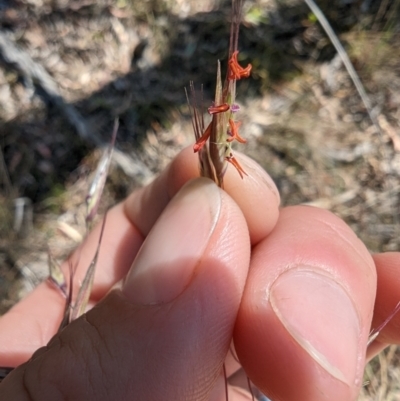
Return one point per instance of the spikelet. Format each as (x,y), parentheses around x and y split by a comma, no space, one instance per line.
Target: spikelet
(214,142)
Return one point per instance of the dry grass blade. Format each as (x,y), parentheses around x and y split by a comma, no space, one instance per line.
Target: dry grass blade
(68,301)
(86,287)
(56,275)
(375,333)
(97,186)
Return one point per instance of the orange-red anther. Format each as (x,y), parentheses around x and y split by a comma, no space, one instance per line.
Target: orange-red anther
(234,133)
(219,109)
(203,139)
(236,164)
(235,70)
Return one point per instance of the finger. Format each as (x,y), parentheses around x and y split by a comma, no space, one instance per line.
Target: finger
(307,308)
(256,194)
(387,298)
(166,334)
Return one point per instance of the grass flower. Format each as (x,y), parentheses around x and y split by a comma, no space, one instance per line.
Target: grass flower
(214,142)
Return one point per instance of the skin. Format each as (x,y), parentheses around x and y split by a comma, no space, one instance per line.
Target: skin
(292,290)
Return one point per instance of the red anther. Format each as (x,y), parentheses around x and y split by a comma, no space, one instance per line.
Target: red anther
(235,70)
(233,132)
(219,109)
(203,139)
(236,164)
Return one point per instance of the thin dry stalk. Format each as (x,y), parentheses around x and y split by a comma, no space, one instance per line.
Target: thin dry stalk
(346,61)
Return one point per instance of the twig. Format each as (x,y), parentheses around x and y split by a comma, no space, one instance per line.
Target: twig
(36,75)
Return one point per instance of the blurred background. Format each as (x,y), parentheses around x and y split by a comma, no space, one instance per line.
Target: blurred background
(69,68)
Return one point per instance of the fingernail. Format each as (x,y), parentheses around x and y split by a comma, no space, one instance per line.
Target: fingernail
(172,250)
(321,317)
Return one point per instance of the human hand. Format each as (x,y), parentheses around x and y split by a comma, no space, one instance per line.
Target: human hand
(300,323)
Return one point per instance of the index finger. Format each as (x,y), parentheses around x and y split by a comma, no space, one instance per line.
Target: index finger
(256,194)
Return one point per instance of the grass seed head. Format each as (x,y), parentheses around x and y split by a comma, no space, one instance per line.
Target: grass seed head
(213,143)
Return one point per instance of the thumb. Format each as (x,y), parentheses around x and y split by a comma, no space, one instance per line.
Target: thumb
(303,326)
(165,334)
